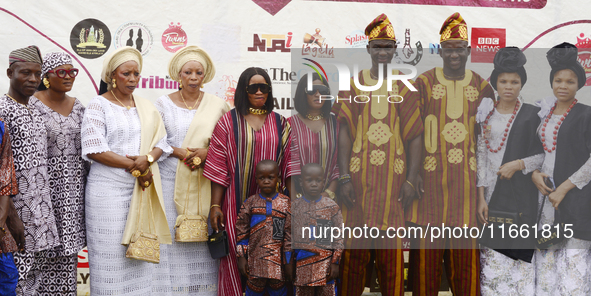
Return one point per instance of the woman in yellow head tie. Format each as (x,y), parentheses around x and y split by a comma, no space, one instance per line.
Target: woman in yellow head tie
(190,116)
(123,135)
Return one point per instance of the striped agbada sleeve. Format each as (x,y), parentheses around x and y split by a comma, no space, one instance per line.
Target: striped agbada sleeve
(410,114)
(216,165)
(8,183)
(334,159)
(287,163)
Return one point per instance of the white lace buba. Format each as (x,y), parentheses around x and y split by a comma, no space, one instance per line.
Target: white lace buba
(486,105)
(109,127)
(186,267)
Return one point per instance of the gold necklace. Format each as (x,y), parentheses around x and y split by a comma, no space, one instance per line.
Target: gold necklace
(128,107)
(257,111)
(198,99)
(18,102)
(315,117)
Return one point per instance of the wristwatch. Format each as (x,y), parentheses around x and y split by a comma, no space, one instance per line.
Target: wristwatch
(150,158)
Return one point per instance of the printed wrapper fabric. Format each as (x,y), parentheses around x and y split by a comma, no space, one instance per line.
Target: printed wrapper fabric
(263,235)
(448,109)
(379,130)
(314,256)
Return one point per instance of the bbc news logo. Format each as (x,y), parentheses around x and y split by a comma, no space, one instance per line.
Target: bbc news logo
(488,41)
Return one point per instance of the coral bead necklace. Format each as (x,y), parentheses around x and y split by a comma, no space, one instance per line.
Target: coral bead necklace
(517,104)
(555,132)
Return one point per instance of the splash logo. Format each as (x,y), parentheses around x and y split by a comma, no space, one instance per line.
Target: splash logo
(271,42)
(356,39)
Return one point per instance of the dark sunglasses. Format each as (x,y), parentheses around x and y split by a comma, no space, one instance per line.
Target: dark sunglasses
(323,89)
(61,73)
(253,88)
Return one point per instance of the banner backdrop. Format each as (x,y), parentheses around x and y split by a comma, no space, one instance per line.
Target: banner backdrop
(240,34)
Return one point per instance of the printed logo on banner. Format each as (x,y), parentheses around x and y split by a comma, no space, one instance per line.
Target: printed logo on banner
(281,75)
(157,82)
(485,44)
(136,35)
(409,55)
(227,89)
(90,38)
(356,39)
(584,57)
(271,42)
(174,38)
(316,46)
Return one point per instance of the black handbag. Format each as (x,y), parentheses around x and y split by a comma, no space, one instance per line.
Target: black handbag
(218,244)
(496,234)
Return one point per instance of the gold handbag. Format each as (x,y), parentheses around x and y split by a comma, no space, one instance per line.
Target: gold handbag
(144,246)
(191,228)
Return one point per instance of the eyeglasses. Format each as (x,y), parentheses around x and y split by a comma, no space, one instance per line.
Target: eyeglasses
(253,88)
(61,73)
(323,89)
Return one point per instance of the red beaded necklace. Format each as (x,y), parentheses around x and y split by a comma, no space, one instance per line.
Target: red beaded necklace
(506,129)
(546,147)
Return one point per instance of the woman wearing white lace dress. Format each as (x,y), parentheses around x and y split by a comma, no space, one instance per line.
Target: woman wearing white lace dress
(566,136)
(190,116)
(123,135)
(508,151)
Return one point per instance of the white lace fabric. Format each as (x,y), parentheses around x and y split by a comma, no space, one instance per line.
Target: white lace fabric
(109,127)
(488,163)
(565,269)
(186,267)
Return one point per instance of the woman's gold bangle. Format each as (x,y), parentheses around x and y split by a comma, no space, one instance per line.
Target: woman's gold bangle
(145,173)
(214,205)
(413,187)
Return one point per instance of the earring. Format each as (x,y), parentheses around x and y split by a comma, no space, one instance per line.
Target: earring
(114,83)
(46,83)
(180,83)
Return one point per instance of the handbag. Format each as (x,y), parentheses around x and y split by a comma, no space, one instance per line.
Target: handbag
(218,244)
(144,246)
(191,228)
(496,235)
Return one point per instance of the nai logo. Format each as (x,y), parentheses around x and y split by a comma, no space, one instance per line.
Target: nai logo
(584,57)
(271,42)
(316,46)
(174,38)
